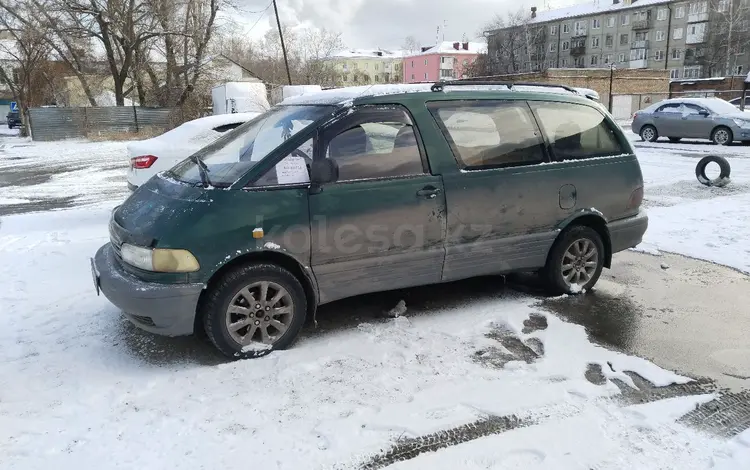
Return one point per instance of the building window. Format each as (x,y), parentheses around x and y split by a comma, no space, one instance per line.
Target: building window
(693,71)
(596,23)
(607,59)
(412,76)
(609,41)
(426,76)
(659,55)
(594,60)
(624,39)
(611,22)
(674,73)
(698,8)
(553,30)
(466,62)
(637,54)
(738,70)
(641,36)
(677,33)
(446,73)
(660,35)
(366,64)
(679,12)
(595,42)
(412,64)
(425,61)
(662,14)
(579,27)
(625,19)
(723,5)
(565,45)
(377,78)
(579,62)
(621,57)
(566,28)
(563,62)
(676,54)
(552,47)
(551,64)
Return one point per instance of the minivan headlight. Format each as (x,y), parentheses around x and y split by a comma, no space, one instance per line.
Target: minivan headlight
(742,123)
(160,260)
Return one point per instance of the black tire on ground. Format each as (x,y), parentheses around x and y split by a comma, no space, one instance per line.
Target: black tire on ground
(10,126)
(746,142)
(722,135)
(553,270)
(675,139)
(649,133)
(213,308)
(722,180)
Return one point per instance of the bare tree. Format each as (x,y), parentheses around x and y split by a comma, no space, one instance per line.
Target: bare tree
(411,45)
(24,56)
(727,31)
(515,44)
(315,46)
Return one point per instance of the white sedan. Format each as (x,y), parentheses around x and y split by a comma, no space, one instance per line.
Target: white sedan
(149,157)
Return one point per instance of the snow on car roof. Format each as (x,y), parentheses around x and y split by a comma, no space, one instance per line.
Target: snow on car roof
(221,119)
(346,94)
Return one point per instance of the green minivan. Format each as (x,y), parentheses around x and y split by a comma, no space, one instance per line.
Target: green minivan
(368,189)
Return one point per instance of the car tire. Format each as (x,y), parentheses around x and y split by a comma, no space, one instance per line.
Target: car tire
(568,261)
(232,299)
(675,139)
(722,136)
(724,167)
(649,133)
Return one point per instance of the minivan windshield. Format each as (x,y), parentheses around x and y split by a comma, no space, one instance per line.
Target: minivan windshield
(232,155)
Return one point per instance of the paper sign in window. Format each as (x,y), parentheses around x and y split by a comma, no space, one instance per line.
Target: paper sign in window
(292,170)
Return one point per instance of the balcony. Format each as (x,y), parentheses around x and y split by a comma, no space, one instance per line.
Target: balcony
(638,64)
(642,24)
(446,63)
(693,60)
(642,44)
(698,38)
(578,50)
(697,17)
(579,33)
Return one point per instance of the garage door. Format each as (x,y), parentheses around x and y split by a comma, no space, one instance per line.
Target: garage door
(622,106)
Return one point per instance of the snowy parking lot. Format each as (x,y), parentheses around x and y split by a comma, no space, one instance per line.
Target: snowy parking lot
(485,379)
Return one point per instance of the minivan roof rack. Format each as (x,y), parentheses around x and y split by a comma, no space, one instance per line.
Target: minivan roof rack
(438,86)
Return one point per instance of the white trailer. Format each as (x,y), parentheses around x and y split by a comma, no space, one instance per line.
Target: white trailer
(239,97)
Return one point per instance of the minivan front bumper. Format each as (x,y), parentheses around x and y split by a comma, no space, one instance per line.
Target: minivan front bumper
(165,309)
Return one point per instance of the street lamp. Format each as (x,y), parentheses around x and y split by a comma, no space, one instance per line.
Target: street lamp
(612,68)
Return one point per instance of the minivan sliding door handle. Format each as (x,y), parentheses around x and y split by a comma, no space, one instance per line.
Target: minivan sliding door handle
(428,192)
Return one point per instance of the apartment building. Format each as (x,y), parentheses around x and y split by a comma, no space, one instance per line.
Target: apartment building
(688,38)
(366,66)
(444,61)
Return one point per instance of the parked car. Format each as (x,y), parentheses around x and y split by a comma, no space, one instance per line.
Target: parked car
(351,191)
(14,119)
(150,156)
(736,102)
(698,118)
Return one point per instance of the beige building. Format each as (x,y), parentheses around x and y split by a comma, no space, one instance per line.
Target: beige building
(367,66)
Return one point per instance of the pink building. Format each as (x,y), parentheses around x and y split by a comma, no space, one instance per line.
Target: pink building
(446,61)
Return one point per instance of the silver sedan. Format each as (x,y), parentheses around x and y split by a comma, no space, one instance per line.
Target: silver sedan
(697,118)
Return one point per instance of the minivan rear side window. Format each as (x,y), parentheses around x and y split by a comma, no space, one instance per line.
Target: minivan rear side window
(576,131)
(489,134)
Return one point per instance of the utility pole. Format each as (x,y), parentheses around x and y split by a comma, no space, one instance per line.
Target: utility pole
(612,68)
(283,47)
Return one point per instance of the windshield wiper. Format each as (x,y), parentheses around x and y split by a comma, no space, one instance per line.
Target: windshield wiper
(202,169)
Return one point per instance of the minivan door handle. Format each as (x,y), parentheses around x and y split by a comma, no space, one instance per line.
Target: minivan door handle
(428,192)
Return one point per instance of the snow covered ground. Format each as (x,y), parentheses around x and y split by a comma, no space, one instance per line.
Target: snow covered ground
(81,388)
(688,218)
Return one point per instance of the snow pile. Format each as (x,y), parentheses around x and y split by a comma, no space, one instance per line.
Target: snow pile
(81,388)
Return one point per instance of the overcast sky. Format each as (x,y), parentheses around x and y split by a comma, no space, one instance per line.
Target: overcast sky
(385,23)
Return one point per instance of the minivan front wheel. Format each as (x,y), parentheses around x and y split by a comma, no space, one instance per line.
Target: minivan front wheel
(253,310)
(649,134)
(576,261)
(722,136)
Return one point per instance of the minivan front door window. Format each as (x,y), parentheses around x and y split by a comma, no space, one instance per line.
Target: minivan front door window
(292,169)
(233,154)
(380,143)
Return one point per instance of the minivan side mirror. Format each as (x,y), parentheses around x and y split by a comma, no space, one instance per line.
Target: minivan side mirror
(703,112)
(324,171)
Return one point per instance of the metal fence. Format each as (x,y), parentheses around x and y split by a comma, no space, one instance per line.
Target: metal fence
(69,123)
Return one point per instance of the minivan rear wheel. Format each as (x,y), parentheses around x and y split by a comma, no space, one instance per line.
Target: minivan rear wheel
(649,133)
(575,261)
(253,310)
(722,136)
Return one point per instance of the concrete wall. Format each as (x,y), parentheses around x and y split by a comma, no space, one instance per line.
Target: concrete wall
(722,87)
